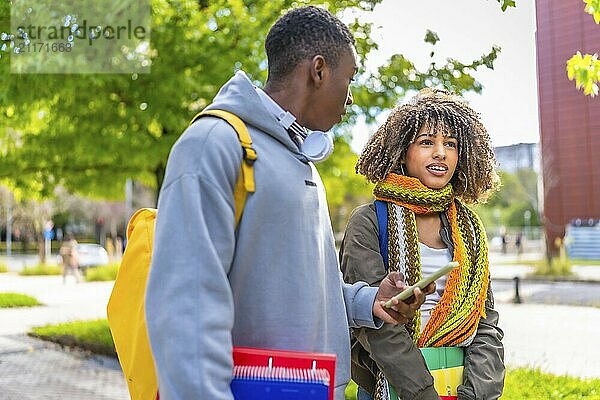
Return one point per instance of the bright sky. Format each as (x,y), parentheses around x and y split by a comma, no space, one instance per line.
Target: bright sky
(467,29)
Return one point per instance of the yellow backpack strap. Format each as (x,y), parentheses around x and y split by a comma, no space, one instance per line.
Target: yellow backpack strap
(125,309)
(245,183)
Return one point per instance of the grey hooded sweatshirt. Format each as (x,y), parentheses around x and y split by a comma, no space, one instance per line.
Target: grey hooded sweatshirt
(272,283)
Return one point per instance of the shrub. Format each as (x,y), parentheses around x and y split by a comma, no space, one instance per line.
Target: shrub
(3,267)
(92,335)
(105,273)
(558,266)
(8,300)
(41,269)
(524,383)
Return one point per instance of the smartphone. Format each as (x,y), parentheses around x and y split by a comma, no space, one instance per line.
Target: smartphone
(422,284)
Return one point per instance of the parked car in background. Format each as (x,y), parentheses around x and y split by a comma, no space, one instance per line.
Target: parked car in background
(91,255)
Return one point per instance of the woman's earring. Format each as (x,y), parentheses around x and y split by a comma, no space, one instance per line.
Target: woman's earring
(464,179)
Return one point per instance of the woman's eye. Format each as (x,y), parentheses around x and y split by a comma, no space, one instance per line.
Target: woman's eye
(451,144)
(426,142)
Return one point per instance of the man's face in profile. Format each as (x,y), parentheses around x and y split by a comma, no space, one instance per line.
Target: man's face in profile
(334,95)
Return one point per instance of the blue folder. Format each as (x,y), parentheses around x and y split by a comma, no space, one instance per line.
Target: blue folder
(263,389)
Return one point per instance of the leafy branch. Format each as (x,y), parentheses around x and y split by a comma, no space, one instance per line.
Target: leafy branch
(585,69)
(507,3)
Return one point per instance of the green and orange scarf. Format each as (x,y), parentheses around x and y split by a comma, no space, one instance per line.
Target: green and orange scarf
(454,320)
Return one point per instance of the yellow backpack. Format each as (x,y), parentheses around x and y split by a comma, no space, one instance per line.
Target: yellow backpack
(125,309)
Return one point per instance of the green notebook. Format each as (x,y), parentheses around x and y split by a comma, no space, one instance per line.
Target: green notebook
(437,358)
(443,357)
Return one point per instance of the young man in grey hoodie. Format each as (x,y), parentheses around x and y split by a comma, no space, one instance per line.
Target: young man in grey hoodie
(274,282)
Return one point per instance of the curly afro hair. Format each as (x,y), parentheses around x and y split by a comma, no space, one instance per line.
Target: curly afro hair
(475,178)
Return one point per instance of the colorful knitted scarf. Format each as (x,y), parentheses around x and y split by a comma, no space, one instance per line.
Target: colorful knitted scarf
(454,320)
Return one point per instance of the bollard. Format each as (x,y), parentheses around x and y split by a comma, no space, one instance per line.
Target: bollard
(517,298)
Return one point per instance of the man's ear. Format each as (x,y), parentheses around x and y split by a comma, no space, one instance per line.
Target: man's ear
(318,70)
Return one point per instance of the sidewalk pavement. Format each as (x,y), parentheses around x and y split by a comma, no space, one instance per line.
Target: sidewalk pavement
(556,338)
(62,302)
(506,266)
(33,369)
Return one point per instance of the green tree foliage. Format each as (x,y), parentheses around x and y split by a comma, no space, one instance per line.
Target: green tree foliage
(508,206)
(90,132)
(518,187)
(586,69)
(382,89)
(506,3)
(345,189)
(592,7)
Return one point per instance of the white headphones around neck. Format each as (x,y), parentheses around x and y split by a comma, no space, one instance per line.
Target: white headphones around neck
(316,146)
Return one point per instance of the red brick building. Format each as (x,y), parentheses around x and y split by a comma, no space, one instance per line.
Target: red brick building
(569,121)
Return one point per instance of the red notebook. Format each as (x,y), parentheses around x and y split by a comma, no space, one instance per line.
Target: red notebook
(284,358)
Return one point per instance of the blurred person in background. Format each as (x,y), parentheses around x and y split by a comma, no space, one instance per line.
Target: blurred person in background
(70,259)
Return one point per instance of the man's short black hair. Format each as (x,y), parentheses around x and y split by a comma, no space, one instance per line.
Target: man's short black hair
(303,33)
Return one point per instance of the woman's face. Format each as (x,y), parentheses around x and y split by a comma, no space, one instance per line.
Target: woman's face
(432,158)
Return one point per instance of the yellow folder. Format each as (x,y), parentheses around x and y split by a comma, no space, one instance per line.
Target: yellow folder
(446,381)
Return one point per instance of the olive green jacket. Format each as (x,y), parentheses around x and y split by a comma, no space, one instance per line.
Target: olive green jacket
(391,348)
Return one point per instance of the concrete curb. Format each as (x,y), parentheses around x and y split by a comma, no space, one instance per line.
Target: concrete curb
(546,279)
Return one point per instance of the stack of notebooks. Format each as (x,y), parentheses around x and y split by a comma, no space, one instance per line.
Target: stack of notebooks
(261,374)
(446,366)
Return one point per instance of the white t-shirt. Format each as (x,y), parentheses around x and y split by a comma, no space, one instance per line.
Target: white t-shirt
(431,260)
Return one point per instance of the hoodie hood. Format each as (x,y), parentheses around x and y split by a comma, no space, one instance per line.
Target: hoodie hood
(239,97)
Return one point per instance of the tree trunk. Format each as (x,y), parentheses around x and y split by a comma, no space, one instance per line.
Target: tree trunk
(41,249)
(159,174)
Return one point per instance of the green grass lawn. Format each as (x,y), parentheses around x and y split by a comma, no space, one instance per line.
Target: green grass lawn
(521,383)
(531,384)
(585,262)
(87,335)
(106,273)
(41,269)
(557,268)
(9,300)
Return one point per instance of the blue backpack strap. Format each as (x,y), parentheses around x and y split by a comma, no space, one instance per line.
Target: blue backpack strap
(382,219)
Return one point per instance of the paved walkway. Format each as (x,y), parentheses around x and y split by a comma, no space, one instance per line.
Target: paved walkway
(37,370)
(63,302)
(34,369)
(558,339)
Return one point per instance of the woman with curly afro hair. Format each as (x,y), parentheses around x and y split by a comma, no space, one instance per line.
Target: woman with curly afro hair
(431,158)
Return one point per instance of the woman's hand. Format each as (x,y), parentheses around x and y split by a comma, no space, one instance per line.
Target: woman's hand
(401,311)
